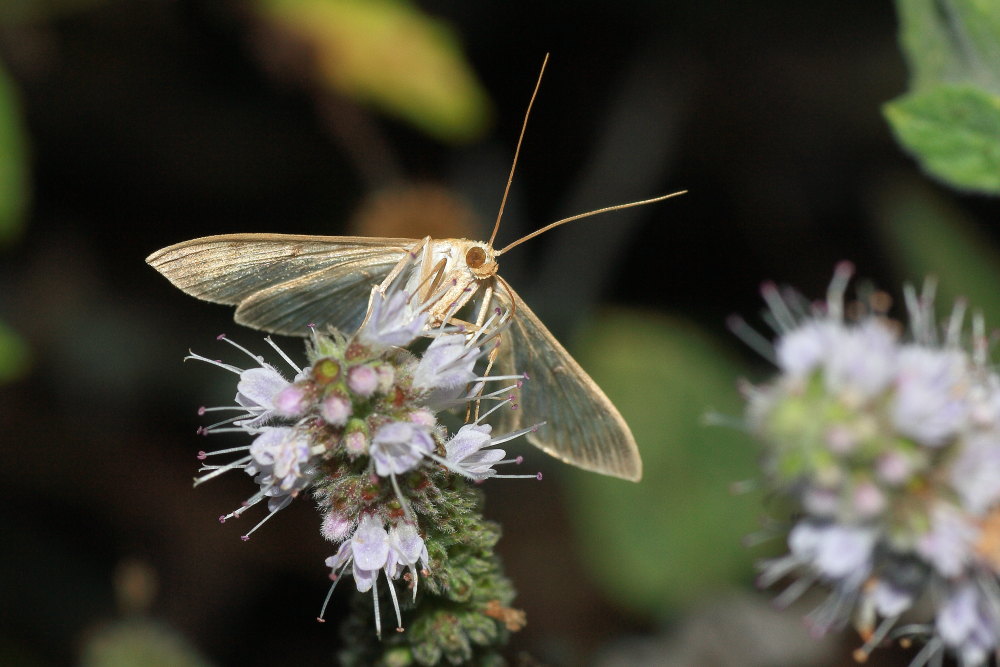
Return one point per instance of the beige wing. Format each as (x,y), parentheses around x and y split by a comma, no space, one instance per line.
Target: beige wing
(283,282)
(582,426)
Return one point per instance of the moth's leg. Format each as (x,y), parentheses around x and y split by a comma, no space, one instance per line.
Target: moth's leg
(430,283)
(484,309)
(492,357)
(471,328)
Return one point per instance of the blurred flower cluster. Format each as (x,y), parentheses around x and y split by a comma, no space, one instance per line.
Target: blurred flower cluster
(358,427)
(886,443)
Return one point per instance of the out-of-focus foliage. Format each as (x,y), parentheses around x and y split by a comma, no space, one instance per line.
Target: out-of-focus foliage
(950,119)
(675,535)
(13,161)
(29,11)
(139,642)
(389,54)
(14,356)
(930,236)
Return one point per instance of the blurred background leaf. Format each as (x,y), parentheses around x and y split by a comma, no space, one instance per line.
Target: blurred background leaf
(14,355)
(929,235)
(32,11)
(675,535)
(139,642)
(389,54)
(950,41)
(14,173)
(954,130)
(950,119)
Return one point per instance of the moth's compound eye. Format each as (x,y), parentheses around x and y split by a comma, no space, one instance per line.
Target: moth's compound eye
(475,257)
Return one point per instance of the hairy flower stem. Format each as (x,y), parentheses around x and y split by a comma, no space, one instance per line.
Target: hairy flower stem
(461,614)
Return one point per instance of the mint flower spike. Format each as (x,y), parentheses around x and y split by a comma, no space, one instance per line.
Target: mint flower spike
(885,440)
(358,428)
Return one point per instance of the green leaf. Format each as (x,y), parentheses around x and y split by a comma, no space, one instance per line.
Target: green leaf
(389,54)
(13,162)
(15,358)
(929,236)
(140,642)
(675,534)
(954,132)
(951,41)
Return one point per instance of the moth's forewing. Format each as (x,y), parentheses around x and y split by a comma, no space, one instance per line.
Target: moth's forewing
(283,282)
(335,296)
(582,426)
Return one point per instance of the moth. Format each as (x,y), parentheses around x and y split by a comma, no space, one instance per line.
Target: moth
(281,283)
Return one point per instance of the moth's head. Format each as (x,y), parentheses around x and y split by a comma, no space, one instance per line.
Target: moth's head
(481,260)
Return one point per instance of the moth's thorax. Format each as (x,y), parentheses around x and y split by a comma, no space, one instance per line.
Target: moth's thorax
(468,266)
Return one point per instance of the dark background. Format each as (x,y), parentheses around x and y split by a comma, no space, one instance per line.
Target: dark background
(157,121)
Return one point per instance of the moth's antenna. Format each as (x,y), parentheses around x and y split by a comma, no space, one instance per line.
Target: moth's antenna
(517,151)
(606,209)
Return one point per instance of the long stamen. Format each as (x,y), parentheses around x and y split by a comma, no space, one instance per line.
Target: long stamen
(226,468)
(515,434)
(216,452)
(329,593)
(780,310)
(283,355)
(256,357)
(752,338)
(395,602)
(214,362)
(861,654)
(261,522)
(378,615)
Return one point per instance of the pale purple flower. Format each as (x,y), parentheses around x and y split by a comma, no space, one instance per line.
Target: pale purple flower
(467,453)
(802,350)
(283,453)
(964,625)
(949,543)
(975,474)
(894,467)
(446,364)
(929,404)
(366,552)
(362,380)
(335,409)
(395,319)
(406,549)
(835,551)
(336,526)
(868,500)
(861,362)
(890,601)
(399,446)
(355,442)
(291,401)
(370,550)
(256,391)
